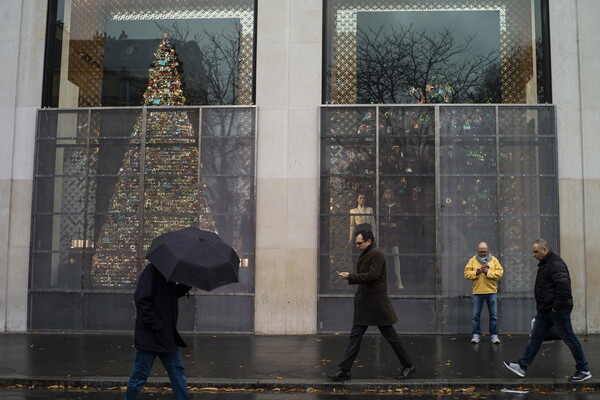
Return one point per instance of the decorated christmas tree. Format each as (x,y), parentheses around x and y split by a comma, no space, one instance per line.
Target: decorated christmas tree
(158,192)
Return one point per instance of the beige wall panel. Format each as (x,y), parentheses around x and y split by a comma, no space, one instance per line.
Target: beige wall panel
(592,254)
(18,256)
(4,211)
(301,296)
(4,224)
(272,76)
(272,144)
(305,68)
(566,89)
(589,46)
(307,24)
(22,29)
(7,116)
(24,144)
(8,77)
(271,214)
(571,244)
(10,19)
(18,268)
(273,22)
(303,145)
(270,297)
(288,95)
(3,284)
(302,217)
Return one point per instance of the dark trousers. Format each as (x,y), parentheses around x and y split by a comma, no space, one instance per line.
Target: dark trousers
(561,320)
(388,332)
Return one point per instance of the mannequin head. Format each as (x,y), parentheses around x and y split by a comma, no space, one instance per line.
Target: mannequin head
(388,195)
(360,200)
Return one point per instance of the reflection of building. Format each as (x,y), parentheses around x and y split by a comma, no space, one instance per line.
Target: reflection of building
(448,166)
(126,71)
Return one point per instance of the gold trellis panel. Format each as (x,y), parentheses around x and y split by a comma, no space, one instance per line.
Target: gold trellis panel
(518,77)
(88,19)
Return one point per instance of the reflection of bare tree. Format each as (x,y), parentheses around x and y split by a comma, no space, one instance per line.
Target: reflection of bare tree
(215,60)
(397,65)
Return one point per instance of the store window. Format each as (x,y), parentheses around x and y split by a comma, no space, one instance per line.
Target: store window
(440,51)
(432,181)
(99,51)
(108,181)
(125,154)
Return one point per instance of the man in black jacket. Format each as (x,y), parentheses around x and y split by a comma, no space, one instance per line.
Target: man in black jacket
(372,307)
(156,302)
(554,304)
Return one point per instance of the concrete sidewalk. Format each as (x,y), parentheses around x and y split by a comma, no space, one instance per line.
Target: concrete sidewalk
(290,362)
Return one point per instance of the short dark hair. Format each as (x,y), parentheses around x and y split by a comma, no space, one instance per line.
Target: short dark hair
(366,234)
(541,242)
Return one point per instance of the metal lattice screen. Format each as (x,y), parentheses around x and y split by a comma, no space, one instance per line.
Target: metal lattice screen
(107,181)
(456,176)
(516,69)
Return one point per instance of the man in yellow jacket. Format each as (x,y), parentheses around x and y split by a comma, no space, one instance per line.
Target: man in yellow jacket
(484,270)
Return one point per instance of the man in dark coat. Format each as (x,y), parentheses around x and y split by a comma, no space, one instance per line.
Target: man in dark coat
(372,306)
(554,303)
(156,302)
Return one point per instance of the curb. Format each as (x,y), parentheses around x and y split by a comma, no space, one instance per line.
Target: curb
(357,385)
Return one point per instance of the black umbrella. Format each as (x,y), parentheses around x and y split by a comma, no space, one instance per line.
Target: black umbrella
(194,257)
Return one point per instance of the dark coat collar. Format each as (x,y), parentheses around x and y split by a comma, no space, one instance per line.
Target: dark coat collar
(365,251)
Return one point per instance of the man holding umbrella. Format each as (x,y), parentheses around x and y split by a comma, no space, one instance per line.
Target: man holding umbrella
(156,302)
(190,256)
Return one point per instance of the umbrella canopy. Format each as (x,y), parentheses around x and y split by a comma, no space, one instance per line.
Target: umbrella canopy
(194,257)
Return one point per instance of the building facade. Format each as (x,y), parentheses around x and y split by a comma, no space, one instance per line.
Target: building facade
(298,170)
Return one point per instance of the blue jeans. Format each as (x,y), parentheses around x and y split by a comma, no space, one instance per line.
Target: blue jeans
(142,367)
(562,322)
(477,303)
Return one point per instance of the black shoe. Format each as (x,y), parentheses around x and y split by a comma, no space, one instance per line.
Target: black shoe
(406,372)
(580,376)
(340,375)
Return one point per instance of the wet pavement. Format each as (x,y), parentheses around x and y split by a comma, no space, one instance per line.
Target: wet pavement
(286,363)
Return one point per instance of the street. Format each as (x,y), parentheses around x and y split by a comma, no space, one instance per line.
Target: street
(581,393)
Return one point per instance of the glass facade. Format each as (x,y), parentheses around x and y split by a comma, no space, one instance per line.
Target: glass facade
(436,51)
(436,180)
(99,51)
(107,181)
(431,180)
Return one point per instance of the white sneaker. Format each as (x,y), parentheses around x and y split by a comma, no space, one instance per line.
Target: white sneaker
(495,339)
(476,338)
(516,368)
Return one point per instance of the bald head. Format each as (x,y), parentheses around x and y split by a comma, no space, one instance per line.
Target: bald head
(482,249)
